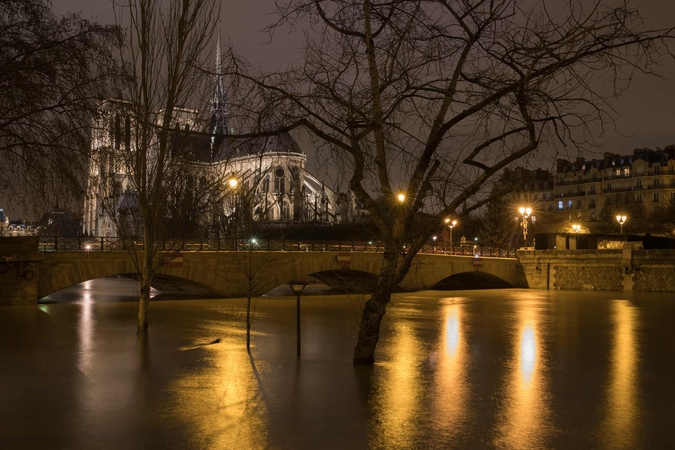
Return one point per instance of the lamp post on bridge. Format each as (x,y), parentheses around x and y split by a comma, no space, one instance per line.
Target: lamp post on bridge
(525,212)
(233,183)
(621,219)
(451,224)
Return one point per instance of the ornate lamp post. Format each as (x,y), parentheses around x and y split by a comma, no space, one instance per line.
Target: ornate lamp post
(525,212)
(298,287)
(233,183)
(451,224)
(621,219)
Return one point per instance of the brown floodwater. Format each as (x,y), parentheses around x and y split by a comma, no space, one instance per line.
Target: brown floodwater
(502,369)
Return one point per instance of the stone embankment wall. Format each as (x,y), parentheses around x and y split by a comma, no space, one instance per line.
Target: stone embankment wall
(19,263)
(627,269)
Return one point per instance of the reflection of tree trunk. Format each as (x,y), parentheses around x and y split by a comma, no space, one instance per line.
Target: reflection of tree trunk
(375,308)
(248,324)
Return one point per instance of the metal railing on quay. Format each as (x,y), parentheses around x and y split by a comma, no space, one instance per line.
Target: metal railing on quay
(103,244)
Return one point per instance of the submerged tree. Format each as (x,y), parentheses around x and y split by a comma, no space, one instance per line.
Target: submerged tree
(164,51)
(431,98)
(53,72)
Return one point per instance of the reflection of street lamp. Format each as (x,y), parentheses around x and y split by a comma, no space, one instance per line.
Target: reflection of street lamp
(525,212)
(451,224)
(576,227)
(433,247)
(298,287)
(621,219)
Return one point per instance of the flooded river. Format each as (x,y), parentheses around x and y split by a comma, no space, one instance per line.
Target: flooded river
(502,369)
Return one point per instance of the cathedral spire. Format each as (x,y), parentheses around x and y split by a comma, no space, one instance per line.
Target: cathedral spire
(219,101)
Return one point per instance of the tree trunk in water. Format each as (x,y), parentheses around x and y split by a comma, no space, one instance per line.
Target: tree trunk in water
(374,309)
(145,280)
(143,306)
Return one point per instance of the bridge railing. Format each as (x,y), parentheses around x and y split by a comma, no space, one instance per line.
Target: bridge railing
(99,244)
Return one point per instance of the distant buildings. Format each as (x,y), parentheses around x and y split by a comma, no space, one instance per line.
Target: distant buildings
(580,189)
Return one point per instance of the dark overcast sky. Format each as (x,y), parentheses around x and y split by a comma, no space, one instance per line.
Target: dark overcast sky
(646,110)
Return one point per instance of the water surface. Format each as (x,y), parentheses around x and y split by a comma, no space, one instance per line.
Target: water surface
(504,369)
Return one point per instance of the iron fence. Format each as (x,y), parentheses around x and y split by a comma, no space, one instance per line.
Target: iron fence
(98,244)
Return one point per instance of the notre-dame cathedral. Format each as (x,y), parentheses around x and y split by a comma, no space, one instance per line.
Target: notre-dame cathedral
(272,166)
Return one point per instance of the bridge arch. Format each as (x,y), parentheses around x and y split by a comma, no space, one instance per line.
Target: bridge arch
(471,280)
(225,272)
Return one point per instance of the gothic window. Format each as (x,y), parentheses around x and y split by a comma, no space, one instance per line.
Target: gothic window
(279,184)
(127,133)
(118,132)
(266,185)
(285,211)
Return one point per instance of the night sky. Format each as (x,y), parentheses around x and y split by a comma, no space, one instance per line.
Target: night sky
(646,109)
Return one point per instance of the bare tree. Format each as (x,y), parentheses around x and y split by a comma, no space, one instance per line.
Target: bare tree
(165,50)
(53,72)
(431,98)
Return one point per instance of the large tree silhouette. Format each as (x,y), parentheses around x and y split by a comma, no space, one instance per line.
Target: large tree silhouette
(432,98)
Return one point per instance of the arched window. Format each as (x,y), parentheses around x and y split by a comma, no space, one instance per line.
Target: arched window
(279,180)
(285,211)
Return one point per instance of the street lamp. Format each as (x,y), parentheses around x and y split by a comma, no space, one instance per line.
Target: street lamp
(401,197)
(621,219)
(298,287)
(233,183)
(576,227)
(525,212)
(451,224)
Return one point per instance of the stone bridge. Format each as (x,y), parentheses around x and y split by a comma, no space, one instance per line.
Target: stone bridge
(225,272)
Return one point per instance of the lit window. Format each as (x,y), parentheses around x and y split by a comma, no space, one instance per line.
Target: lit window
(561,206)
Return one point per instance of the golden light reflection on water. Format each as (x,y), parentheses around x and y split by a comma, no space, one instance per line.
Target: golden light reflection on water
(86,325)
(524,423)
(450,384)
(222,403)
(398,398)
(620,427)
